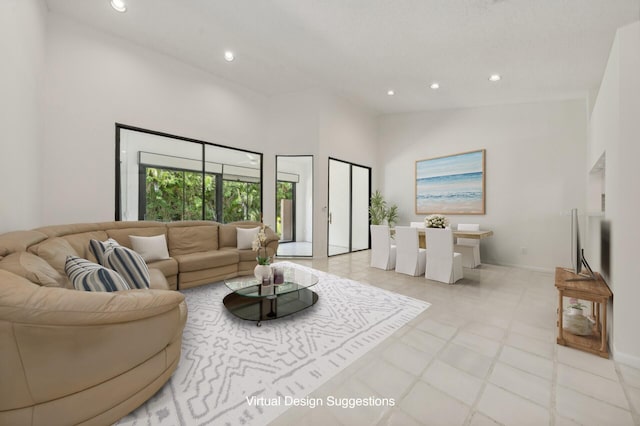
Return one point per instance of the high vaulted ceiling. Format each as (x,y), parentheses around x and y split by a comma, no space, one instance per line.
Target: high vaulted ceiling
(544,49)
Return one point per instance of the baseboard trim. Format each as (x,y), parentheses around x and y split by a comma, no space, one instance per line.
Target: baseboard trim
(516,265)
(624,358)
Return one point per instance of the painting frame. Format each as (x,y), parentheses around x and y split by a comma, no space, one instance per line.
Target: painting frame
(461,191)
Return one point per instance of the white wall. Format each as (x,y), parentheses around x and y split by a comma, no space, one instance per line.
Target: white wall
(615,130)
(321,124)
(535,156)
(292,129)
(346,132)
(95,80)
(22,35)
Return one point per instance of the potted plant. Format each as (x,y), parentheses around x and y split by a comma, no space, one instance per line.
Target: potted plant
(575,307)
(392,215)
(377,209)
(379,212)
(262,270)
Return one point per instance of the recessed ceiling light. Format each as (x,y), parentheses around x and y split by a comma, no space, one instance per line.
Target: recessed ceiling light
(495,77)
(390,92)
(435,85)
(229,56)
(119,5)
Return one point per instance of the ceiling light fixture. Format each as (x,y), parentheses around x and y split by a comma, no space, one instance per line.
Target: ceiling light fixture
(119,5)
(229,56)
(495,77)
(390,92)
(435,85)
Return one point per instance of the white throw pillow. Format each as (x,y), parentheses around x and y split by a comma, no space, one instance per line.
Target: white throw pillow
(246,236)
(150,248)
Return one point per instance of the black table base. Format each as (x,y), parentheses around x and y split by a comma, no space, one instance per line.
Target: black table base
(271,306)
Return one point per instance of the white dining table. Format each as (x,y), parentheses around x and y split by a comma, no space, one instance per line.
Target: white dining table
(475,235)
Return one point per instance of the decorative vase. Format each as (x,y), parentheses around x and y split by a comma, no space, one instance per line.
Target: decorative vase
(278,275)
(576,323)
(262,272)
(575,311)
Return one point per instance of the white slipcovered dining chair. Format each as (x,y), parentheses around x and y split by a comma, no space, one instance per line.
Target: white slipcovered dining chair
(383,253)
(417,224)
(443,264)
(467,247)
(410,258)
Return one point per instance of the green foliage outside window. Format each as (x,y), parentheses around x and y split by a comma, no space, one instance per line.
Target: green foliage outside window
(241,201)
(173,195)
(284,191)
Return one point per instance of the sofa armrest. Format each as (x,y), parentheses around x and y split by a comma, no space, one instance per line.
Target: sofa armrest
(56,342)
(272,241)
(59,307)
(157,280)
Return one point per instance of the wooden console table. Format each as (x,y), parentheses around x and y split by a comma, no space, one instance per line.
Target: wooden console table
(598,293)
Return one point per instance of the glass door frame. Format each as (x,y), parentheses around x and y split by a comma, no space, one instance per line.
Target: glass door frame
(311,217)
(350,164)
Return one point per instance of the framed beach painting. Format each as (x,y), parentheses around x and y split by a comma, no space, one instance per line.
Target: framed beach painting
(451,185)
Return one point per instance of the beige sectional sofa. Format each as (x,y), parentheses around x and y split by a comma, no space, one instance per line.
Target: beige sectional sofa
(76,357)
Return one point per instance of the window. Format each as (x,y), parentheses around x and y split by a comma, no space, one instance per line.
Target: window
(171,195)
(241,201)
(168,178)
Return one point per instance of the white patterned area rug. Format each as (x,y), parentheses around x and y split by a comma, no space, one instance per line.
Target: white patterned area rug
(226,361)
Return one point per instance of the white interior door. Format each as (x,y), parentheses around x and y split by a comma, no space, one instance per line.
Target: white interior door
(339,206)
(359,208)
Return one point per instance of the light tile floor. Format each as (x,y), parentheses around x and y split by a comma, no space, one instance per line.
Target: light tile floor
(484,353)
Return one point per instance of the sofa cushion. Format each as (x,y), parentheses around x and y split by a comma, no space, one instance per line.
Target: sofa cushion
(150,248)
(16,241)
(169,267)
(98,248)
(122,234)
(90,276)
(206,260)
(246,237)
(244,255)
(80,242)
(54,251)
(227,236)
(129,264)
(33,268)
(192,239)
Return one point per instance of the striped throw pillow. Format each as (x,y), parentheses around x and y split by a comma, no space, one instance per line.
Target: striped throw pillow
(129,264)
(99,247)
(89,276)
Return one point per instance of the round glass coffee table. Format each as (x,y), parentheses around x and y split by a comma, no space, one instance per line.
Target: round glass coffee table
(252,301)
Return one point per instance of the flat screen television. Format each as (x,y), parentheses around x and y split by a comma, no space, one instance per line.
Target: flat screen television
(578,261)
(605,250)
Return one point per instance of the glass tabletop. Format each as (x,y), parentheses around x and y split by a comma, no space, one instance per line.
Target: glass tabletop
(250,286)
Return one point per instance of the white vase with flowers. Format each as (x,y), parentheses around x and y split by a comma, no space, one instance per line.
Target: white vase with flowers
(262,271)
(436,221)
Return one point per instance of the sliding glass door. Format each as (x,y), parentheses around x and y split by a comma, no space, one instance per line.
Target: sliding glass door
(349,189)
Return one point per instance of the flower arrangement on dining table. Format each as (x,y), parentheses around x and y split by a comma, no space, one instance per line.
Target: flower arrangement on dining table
(259,244)
(436,221)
